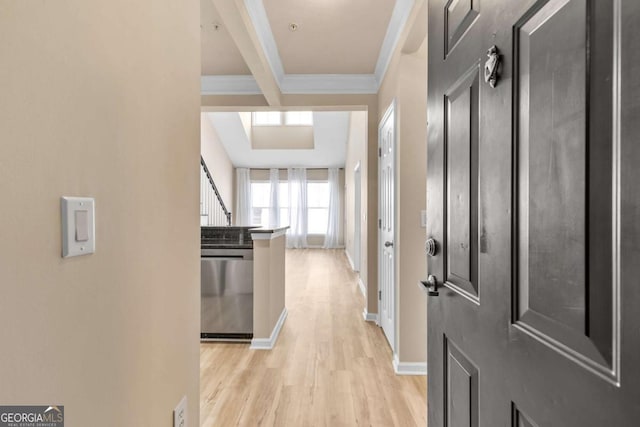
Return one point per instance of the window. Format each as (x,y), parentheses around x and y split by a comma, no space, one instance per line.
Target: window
(298,118)
(279,118)
(317,207)
(283,203)
(260,203)
(267,118)
(260,193)
(317,204)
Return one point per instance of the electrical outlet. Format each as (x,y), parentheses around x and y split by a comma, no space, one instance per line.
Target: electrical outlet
(180,414)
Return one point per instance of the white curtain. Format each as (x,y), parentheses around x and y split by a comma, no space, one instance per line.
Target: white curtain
(274,204)
(331,239)
(243,197)
(297,233)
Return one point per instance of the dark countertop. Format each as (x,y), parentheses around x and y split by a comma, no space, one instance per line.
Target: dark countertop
(268,229)
(226,238)
(235,237)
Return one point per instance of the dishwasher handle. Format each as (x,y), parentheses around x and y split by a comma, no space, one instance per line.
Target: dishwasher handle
(229,254)
(223,256)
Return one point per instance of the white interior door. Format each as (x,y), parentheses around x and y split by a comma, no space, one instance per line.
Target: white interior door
(386,226)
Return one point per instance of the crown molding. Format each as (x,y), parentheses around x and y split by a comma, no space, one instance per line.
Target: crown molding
(399,16)
(229,85)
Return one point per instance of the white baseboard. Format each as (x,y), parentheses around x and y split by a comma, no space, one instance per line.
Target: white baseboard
(269,343)
(363,289)
(346,252)
(409,368)
(370,317)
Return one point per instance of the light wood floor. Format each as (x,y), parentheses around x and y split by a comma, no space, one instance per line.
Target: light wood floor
(329,367)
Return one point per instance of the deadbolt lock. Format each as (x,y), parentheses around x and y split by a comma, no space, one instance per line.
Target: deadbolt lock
(431,247)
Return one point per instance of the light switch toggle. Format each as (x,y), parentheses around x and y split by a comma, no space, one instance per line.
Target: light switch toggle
(78,226)
(82,226)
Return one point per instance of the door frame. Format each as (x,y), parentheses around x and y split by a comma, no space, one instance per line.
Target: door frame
(357,218)
(391,109)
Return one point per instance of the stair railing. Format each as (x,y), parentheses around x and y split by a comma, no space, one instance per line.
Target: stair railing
(213,211)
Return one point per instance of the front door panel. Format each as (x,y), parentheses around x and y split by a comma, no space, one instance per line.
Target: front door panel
(564,202)
(461,186)
(533,200)
(461,386)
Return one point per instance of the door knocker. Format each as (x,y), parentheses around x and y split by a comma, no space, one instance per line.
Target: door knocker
(491,66)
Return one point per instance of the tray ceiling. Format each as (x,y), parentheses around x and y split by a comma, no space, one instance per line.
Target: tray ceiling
(338,46)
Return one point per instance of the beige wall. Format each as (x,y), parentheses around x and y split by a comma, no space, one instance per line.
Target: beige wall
(356,155)
(101,99)
(406,83)
(268,285)
(217,160)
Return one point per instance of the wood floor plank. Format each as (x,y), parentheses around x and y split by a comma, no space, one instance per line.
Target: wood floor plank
(329,366)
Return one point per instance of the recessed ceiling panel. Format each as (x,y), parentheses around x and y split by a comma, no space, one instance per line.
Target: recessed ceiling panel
(219,53)
(329,149)
(331,36)
(282,138)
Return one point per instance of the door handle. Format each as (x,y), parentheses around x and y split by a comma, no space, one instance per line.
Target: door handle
(432,285)
(388,243)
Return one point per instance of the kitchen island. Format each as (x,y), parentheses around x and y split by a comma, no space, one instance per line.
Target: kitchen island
(225,314)
(269,310)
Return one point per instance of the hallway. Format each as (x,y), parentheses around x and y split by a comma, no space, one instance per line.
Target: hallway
(329,367)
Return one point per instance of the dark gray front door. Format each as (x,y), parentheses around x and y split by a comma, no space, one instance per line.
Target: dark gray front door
(533,199)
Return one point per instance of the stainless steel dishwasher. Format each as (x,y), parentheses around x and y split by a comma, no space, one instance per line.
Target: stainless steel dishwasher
(226,277)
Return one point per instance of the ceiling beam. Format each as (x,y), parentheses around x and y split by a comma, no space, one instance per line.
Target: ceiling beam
(417,28)
(236,20)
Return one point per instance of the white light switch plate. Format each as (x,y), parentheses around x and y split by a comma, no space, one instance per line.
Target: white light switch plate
(180,414)
(423,219)
(78,226)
